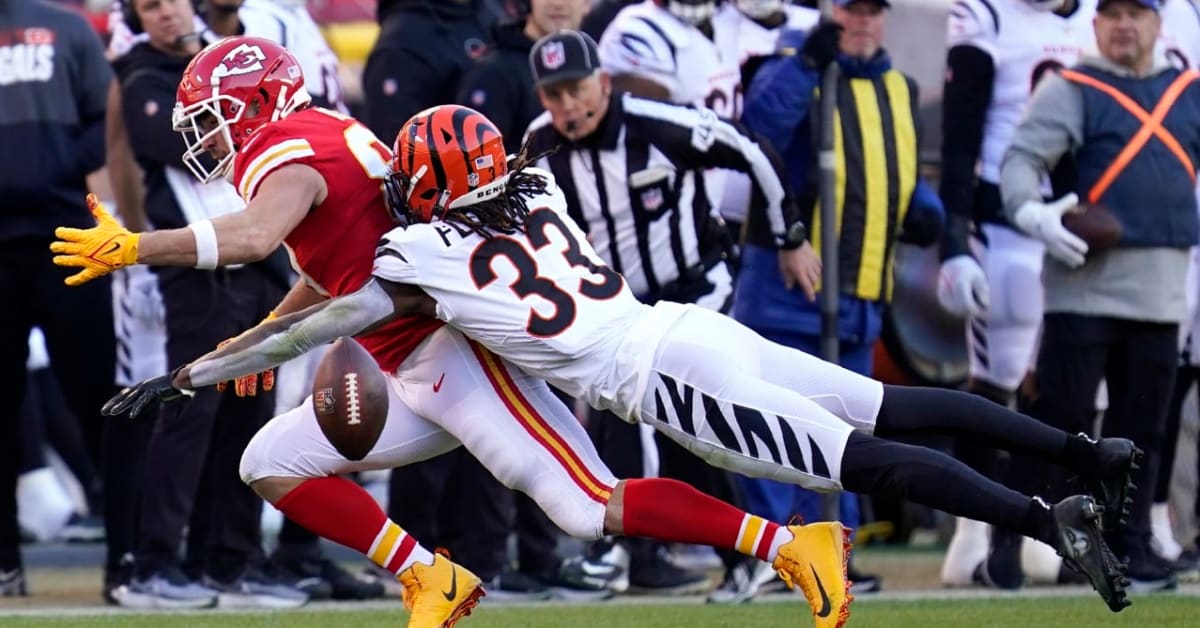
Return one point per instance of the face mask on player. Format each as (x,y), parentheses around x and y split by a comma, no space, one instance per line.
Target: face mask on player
(1046,5)
(693,12)
(759,9)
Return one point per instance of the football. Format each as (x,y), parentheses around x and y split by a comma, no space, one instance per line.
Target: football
(350,398)
(1094,224)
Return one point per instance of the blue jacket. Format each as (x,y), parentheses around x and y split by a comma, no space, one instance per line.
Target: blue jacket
(778,104)
(780,99)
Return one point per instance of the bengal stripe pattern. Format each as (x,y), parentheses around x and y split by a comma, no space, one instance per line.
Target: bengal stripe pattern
(536,426)
(392,547)
(459,147)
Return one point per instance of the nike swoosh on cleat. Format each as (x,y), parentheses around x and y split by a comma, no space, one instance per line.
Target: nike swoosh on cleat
(826,607)
(449,595)
(438,386)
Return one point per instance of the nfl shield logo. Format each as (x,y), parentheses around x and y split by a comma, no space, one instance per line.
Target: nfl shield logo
(323,400)
(652,199)
(553,55)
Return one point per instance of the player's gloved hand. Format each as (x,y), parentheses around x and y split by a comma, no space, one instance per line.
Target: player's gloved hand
(135,398)
(98,250)
(821,46)
(1044,222)
(962,287)
(248,385)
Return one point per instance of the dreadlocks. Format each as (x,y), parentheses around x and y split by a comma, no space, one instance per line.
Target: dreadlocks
(507,212)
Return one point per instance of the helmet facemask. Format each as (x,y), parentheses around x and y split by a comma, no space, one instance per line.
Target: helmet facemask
(1046,5)
(692,12)
(759,9)
(196,124)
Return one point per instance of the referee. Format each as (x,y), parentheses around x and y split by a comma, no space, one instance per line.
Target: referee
(632,171)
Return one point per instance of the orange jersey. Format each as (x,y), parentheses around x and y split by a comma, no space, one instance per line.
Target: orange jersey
(333,247)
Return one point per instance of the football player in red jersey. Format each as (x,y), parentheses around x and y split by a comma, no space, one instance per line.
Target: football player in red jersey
(313,180)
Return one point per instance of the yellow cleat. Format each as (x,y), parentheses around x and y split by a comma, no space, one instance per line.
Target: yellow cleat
(816,560)
(439,595)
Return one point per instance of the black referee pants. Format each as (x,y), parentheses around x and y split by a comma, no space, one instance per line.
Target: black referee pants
(78,325)
(1138,360)
(191,473)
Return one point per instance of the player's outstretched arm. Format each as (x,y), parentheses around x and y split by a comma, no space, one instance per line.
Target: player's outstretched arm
(282,201)
(278,340)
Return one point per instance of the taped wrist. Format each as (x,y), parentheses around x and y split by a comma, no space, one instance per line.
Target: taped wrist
(206,244)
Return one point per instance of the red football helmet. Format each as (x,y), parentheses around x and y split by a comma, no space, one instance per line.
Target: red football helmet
(445,157)
(231,89)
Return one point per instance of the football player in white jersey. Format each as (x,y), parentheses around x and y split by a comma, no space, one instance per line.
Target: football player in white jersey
(1180,36)
(748,30)
(493,253)
(997,51)
(667,50)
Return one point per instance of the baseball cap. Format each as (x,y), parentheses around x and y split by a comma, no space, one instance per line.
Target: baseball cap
(1153,5)
(562,56)
(883,3)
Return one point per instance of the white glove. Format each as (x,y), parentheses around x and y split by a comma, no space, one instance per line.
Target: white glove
(1044,222)
(962,287)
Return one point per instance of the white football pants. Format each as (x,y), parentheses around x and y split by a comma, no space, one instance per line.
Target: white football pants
(452,391)
(746,404)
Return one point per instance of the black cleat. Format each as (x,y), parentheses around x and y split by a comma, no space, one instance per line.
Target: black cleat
(1081,544)
(1113,489)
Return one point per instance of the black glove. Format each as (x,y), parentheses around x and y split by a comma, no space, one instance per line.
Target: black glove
(821,46)
(133,399)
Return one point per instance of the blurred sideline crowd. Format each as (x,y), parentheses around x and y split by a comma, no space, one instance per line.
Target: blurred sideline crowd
(941,279)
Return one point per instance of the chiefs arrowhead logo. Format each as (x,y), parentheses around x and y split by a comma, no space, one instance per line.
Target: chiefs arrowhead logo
(244,59)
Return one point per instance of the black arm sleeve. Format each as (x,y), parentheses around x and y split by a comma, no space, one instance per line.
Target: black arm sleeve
(970,76)
(697,138)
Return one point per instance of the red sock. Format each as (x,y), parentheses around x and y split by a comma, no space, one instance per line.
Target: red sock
(341,511)
(669,510)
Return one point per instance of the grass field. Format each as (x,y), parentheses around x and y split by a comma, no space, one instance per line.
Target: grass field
(1040,612)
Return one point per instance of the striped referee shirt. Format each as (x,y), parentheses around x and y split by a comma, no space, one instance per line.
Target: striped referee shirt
(636,185)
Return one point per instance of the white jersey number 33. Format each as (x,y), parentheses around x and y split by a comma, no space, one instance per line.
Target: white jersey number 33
(530,281)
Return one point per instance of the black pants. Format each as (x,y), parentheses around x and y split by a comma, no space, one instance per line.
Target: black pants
(196,446)
(1138,360)
(416,63)
(78,325)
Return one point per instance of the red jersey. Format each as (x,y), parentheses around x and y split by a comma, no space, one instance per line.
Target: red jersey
(333,247)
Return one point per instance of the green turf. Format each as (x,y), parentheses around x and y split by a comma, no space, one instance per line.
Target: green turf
(1158,612)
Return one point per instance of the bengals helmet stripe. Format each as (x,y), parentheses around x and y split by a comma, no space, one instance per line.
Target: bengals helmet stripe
(436,151)
(441,155)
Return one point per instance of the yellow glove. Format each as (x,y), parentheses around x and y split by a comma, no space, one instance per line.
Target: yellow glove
(247,385)
(99,250)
